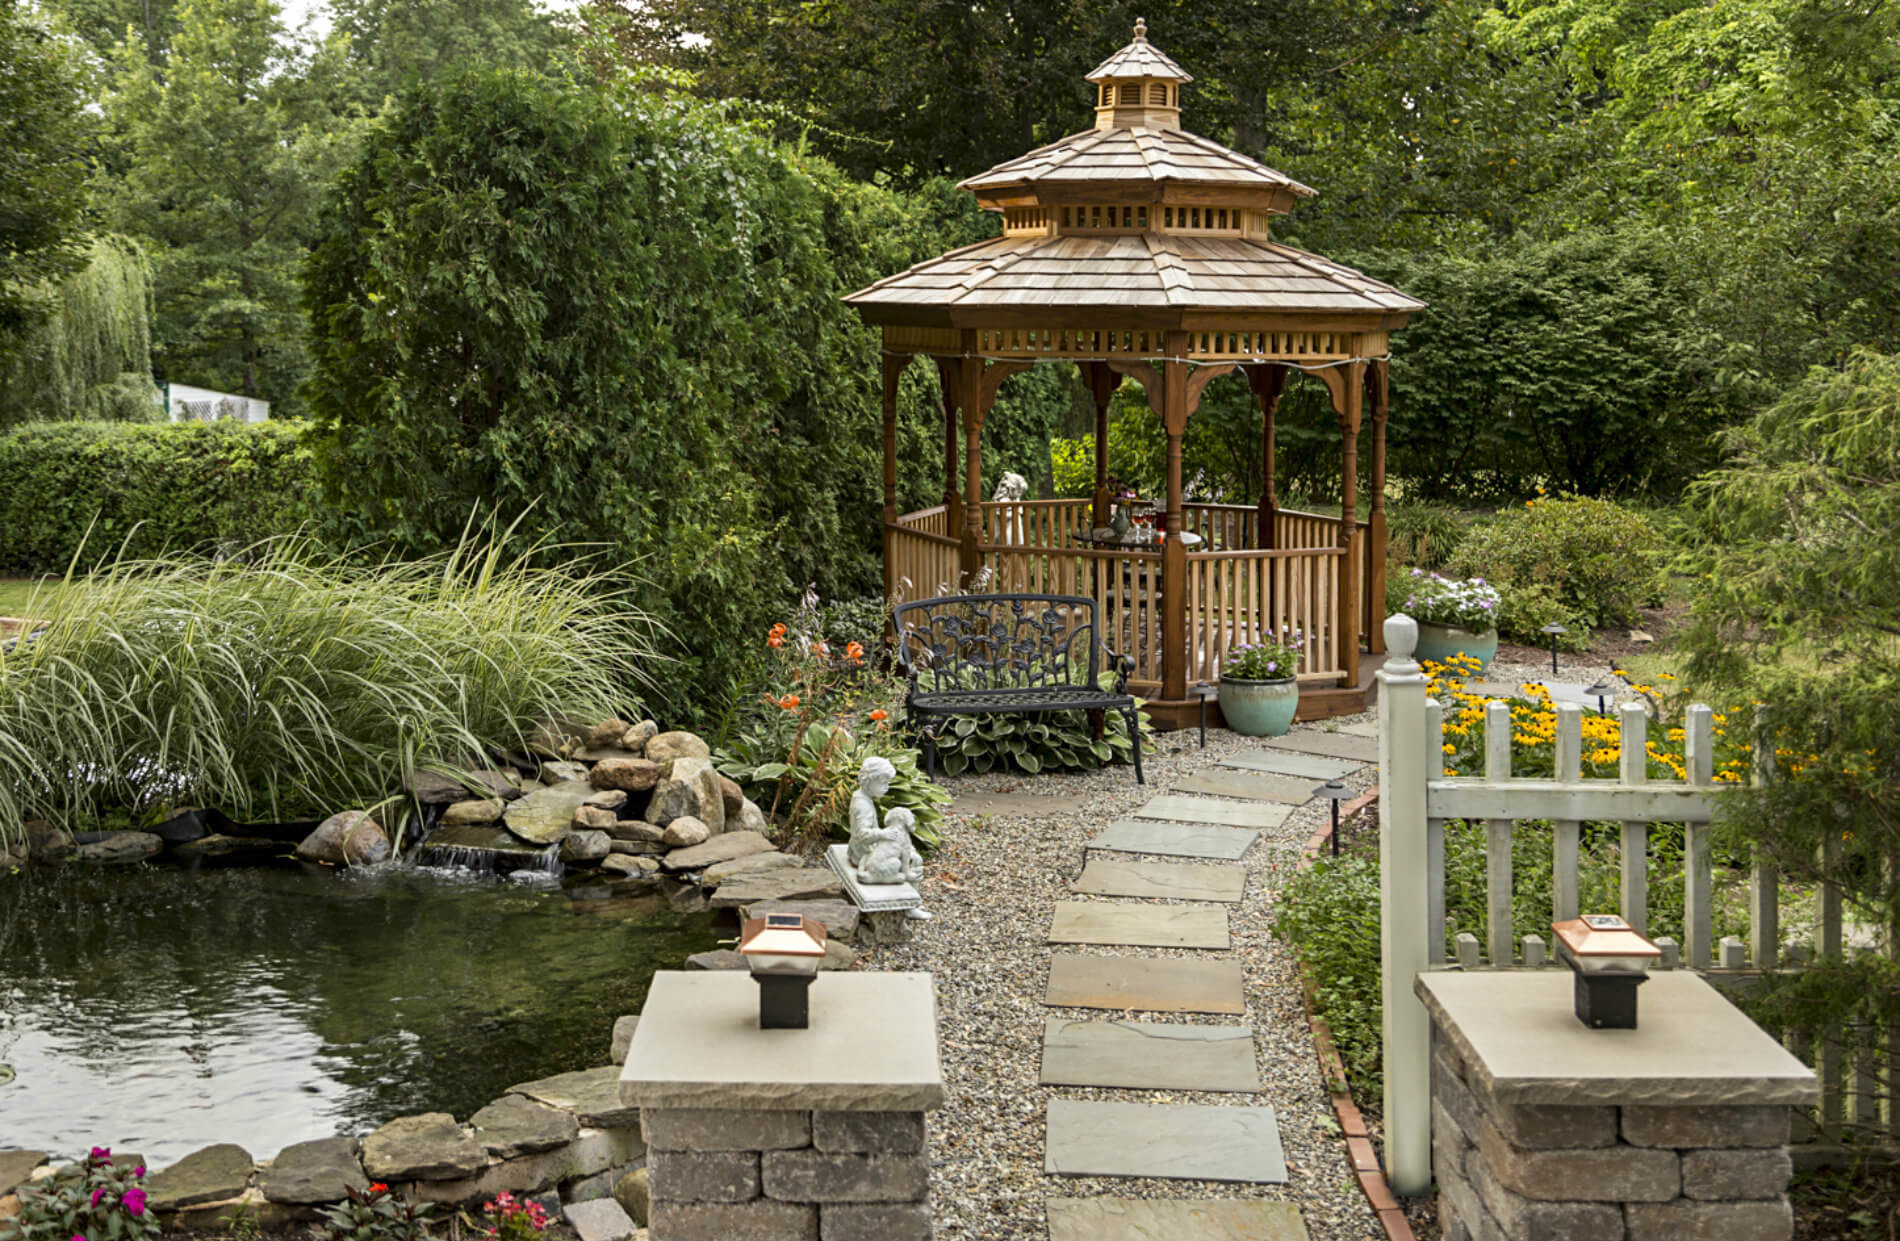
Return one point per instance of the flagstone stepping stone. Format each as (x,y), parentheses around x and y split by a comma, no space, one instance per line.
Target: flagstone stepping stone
(1149,984)
(1208,810)
(1203,840)
(1368,729)
(1287,763)
(1145,1055)
(1332,745)
(1254,785)
(1170,1141)
(1012,805)
(1103,876)
(1135,1219)
(1139,926)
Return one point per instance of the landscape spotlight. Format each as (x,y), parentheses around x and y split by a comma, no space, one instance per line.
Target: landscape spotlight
(1602,691)
(1335,792)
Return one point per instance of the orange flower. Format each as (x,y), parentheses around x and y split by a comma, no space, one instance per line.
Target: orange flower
(775,642)
(378,1188)
(789,702)
(854,652)
(778,630)
(880,715)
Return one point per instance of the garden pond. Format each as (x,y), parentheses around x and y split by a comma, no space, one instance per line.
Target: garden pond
(157,1009)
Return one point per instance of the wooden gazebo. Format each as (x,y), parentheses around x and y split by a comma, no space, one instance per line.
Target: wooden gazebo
(1137,250)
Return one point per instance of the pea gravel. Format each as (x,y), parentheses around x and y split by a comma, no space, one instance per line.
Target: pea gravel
(991,888)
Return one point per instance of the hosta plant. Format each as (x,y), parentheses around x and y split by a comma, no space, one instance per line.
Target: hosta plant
(1046,741)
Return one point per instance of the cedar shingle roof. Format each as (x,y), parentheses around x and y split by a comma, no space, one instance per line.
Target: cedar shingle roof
(1124,155)
(1155,271)
(1140,59)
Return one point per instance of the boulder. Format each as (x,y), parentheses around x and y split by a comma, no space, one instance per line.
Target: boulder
(430,1147)
(639,848)
(515,1125)
(46,842)
(16,1166)
(691,788)
(352,838)
(608,799)
(731,795)
(561,770)
(685,898)
(633,775)
(601,1219)
(722,848)
(213,1174)
(630,1191)
(124,848)
(591,818)
(592,1095)
(545,816)
(607,732)
(684,831)
(808,883)
(581,847)
(719,872)
(636,738)
(432,788)
(840,917)
(665,747)
(217,846)
(601,753)
(749,819)
(503,784)
(183,827)
(478,813)
(636,829)
(627,866)
(622,1042)
(306,1173)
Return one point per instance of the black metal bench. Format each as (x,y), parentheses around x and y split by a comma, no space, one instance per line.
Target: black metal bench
(1006,655)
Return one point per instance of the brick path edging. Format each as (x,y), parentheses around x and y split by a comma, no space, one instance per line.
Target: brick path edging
(1365,1160)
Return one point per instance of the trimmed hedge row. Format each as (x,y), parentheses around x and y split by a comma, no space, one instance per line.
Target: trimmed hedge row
(150,488)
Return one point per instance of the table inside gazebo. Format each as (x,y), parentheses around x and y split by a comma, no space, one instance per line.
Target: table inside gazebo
(1235,591)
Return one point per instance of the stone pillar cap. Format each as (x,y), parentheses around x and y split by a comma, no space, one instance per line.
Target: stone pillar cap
(1517,1031)
(871,1047)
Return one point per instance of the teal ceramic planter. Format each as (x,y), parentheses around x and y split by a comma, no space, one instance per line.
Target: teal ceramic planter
(1259,708)
(1440,642)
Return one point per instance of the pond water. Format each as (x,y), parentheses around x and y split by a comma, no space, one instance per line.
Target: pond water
(157,1010)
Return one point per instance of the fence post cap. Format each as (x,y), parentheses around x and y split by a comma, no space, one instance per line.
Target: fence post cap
(1401,636)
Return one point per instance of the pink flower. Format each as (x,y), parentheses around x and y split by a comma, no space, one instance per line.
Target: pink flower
(98,1194)
(134,1202)
(139,1172)
(101,1152)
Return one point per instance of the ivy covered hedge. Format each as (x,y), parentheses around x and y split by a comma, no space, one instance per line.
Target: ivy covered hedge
(149,487)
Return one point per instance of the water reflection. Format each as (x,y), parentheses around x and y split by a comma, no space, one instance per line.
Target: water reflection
(157,1010)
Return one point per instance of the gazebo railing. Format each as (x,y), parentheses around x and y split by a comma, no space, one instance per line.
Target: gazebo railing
(921,556)
(1242,596)
(1126,587)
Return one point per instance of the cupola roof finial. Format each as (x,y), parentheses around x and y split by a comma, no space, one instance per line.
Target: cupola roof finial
(1141,30)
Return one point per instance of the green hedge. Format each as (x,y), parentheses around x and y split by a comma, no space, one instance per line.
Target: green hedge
(151,488)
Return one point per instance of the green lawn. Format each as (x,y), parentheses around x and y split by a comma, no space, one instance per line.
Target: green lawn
(14,592)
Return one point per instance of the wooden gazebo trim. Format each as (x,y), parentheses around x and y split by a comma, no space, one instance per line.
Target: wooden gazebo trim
(1138,250)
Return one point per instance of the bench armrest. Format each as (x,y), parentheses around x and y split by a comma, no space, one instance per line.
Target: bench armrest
(1123,665)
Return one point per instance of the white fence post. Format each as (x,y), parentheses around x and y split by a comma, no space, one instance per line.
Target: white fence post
(1634,767)
(1404,767)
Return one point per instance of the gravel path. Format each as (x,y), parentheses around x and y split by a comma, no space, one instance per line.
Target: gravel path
(992,888)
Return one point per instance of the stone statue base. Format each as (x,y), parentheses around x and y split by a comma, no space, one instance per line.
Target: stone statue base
(871,897)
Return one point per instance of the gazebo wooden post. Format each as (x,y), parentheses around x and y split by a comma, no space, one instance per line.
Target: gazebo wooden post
(969,388)
(894,364)
(1379,381)
(1350,395)
(1102,385)
(1174,620)
(947,378)
(1267,382)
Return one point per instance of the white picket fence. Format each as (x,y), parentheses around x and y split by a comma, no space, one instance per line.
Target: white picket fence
(1415,803)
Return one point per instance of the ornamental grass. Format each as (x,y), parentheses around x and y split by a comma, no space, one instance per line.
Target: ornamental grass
(290,682)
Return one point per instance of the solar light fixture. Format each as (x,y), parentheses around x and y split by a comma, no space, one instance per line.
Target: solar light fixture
(1602,691)
(783,951)
(1553,631)
(1609,960)
(1335,792)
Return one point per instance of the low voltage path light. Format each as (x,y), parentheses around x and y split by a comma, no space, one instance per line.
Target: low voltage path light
(1335,792)
(1609,961)
(783,951)
(1602,691)
(1204,691)
(1554,631)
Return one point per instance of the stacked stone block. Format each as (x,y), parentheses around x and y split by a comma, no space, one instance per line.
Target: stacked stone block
(1603,1172)
(753,1175)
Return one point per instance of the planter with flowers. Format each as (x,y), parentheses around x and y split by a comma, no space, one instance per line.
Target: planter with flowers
(1454,617)
(1258,694)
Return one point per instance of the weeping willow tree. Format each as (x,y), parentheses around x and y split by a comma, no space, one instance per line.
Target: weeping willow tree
(91,358)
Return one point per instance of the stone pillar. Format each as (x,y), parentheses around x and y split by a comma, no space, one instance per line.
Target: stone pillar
(1541,1128)
(815,1134)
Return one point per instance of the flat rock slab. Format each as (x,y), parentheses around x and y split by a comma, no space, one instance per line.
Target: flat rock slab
(602,1219)
(1343,746)
(592,1095)
(719,872)
(429,1147)
(16,1166)
(1150,926)
(840,917)
(213,1174)
(1210,810)
(546,816)
(1135,1219)
(1144,1055)
(1252,785)
(1102,876)
(517,1125)
(306,1173)
(806,883)
(1013,805)
(725,847)
(1170,1141)
(1287,763)
(1202,840)
(1150,984)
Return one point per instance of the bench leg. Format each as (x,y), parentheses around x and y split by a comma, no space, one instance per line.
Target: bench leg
(930,754)
(1134,730)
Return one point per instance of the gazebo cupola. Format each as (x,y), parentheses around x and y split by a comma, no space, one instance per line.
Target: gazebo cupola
(1136,250)
(1138,87)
